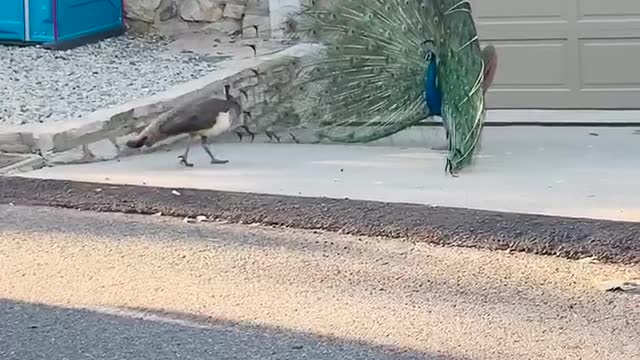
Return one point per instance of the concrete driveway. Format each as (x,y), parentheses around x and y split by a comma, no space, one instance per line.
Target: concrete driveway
(577,172)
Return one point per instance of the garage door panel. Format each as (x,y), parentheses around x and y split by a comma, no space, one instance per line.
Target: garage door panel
(563,53)
(609,64)
(563,99)
(532,65)
(589,29)
(519,9)
(608,8)
(524,30)
(505,99)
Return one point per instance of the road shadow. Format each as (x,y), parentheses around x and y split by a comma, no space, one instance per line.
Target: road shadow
(34,331)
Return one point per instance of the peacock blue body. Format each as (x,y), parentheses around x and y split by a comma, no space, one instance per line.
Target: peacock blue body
(433,95)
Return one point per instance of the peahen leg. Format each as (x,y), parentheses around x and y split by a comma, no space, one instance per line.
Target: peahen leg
(203,142)
(183,157)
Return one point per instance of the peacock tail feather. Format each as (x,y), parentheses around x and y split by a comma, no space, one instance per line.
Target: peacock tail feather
(369,82)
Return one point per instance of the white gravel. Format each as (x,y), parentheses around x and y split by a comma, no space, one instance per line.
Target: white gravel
(39,85)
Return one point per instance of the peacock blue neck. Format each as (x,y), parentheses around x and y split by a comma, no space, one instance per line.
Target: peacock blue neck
(433,96)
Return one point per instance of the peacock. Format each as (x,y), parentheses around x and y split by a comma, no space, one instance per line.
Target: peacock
(386,65)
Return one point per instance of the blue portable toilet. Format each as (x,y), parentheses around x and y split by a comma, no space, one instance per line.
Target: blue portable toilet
(59,24)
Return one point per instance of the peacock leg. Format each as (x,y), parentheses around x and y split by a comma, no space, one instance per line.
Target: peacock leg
(246,128)
(249,132)
(272,135)
(293,137)
(239,135)
(183,157)
(203,142)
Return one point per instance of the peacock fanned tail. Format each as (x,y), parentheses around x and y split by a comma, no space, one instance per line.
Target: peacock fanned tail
(368,81)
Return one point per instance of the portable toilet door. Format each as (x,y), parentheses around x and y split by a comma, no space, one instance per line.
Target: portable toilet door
(60,23)
(79,21)
(12,20)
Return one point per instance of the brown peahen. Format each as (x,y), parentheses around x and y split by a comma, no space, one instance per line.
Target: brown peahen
(202,119)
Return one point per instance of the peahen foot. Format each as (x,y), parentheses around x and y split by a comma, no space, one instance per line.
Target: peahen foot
(214,160)
(183,161)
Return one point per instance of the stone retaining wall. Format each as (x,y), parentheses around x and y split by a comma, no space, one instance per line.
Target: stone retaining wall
(102,135)
(174,17)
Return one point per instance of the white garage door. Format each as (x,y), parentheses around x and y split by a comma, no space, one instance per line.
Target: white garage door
(563,53)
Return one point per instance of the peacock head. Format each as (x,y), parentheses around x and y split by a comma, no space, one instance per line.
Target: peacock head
(430,56)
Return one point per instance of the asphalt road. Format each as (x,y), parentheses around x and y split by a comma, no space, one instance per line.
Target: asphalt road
(83,285)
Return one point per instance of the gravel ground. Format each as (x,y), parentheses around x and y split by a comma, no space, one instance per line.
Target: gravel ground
(547,235)
(39,85)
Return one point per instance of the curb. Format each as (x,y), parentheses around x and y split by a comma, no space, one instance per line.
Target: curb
(573,238)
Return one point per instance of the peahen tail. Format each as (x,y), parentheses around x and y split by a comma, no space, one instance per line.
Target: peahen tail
(371,78)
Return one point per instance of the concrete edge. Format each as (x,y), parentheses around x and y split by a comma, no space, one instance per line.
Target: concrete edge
(29,163)
(608,241)
(101,135)
(563,116)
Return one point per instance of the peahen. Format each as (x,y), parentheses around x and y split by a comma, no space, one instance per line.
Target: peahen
(386,65)
(201,119)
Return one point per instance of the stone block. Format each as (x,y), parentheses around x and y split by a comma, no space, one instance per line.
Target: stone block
(77,155)
(278,77)
(234,11)
(226,26)
(141,10)
(104,149)
(243,80)
(200,10)
(19,164)
(70,139)
(167,10)
(120,121)
(20,142)
(263,23)
(258,7)
(138,26)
